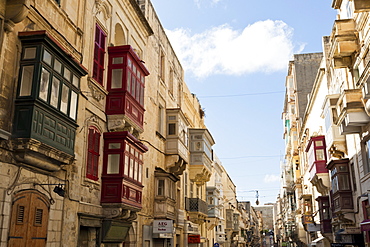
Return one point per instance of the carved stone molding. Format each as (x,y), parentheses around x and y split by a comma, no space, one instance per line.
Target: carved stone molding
(120,214)
(97,93)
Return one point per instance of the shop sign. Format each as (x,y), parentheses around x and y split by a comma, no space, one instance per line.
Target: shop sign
(162,226)
(193,239)
(365,225)
(353,230)
(311,227)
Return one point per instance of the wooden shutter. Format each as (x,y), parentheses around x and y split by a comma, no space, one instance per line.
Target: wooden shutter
(99,53)
(92,166)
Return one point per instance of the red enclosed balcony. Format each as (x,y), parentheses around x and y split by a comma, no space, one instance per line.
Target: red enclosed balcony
(122,170)
(316,152)
(126,82)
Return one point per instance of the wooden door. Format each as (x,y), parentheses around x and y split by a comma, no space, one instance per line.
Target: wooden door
(29,220)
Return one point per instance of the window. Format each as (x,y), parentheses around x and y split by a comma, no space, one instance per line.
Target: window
(367,157)
(99,53)
(56,85)
(161,119)
(161,187)
(92,166)
(162,66)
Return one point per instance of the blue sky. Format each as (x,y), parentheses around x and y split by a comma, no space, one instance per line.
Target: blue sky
(235,54)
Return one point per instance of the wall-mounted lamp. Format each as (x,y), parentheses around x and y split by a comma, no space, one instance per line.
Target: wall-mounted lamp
(59,188)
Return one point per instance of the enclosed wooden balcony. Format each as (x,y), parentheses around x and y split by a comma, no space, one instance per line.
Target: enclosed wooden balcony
(341,198)
(344,42)
(126,82)
(177,151)
(361,5)
(335,141)
(200,166)
(122,171)
(351,112)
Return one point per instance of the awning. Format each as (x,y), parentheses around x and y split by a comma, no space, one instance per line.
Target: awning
(314,242)
(365,225)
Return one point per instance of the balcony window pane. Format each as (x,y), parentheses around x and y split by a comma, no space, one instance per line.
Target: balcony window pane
(343,182)
(172,129)
(26,81)
(136,173)
(320,155)
(116,78)
(64,100)
(73,107)
(67,74)
(139,179)
(319,143)
(44,84)
(114,145)
(131,175)
(75,81)
(127,162)
(117,60)
(128,81)
(160,190)
(29,53)
(47,57)
(113,164)
(57,66)
(54,97)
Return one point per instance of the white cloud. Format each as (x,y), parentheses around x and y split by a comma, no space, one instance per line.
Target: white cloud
(270,178)
(264,46)
(212,2)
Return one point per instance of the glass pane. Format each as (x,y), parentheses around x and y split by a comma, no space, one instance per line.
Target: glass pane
(319,143)
(171,129)
(133,85)
(29,53)
(114,145)
(116,78)
(125,170)
(142,96)
(128,81)
(73,107)
(44,84)
(320,154)
(135,170)
(47,57)
(57,66)
(67,74)
(343,182)
(64,100)
(75,81)
(129,63)
(131,175)
(117,60)
(113,164)
(54,97)
(26,81)
(140,173)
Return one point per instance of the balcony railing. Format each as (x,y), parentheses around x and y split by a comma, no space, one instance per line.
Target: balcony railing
(196,205)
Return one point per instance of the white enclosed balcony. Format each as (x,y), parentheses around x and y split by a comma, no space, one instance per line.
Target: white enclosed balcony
(351,112)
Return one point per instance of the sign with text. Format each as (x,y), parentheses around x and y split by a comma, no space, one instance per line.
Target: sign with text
(193,239)
(162,226)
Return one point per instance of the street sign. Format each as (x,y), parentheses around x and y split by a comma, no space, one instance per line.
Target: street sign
(216,245)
